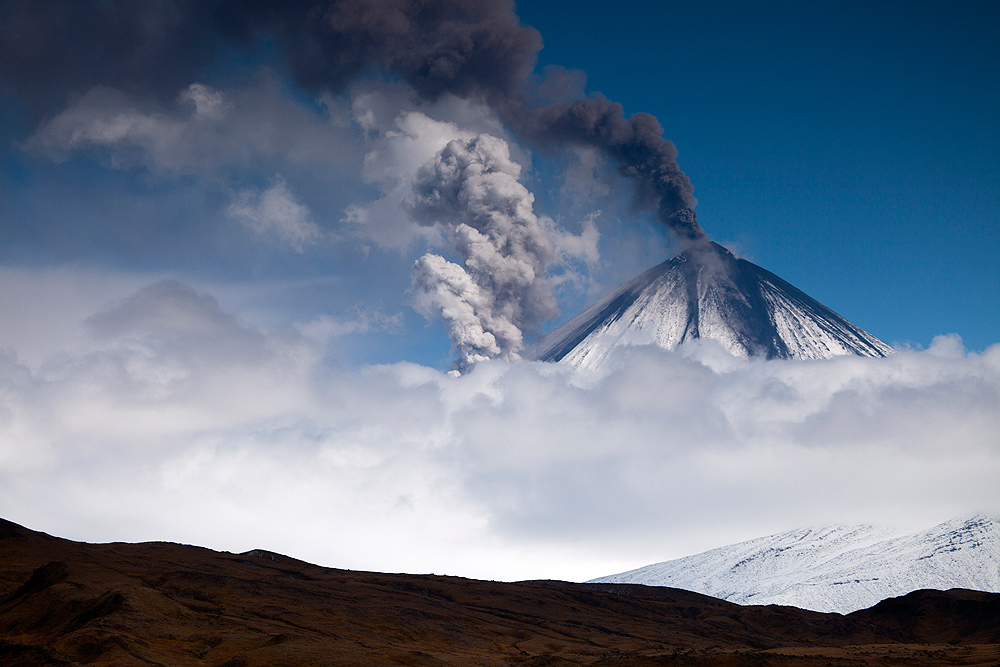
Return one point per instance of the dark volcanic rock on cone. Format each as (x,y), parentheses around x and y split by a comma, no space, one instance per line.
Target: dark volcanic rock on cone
(707,292)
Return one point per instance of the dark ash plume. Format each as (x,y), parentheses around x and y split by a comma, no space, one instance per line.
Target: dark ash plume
(150,47)
(636,144)
(469,48)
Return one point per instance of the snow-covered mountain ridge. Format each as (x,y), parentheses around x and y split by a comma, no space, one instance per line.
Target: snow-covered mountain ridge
(707,292)
(837,568)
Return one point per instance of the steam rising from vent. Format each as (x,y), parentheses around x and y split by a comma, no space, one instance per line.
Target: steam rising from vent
(471,189)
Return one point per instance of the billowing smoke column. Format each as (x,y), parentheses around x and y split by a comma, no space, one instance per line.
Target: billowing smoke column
(471,189)
(474,49)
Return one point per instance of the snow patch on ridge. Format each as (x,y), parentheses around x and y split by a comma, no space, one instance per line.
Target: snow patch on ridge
(836,568)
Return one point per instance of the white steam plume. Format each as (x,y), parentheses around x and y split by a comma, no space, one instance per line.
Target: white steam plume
(471,189)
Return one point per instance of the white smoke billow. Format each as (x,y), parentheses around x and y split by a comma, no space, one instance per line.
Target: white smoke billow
(501,290)
(449,292)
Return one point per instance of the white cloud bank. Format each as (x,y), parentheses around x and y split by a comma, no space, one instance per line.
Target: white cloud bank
(175,420)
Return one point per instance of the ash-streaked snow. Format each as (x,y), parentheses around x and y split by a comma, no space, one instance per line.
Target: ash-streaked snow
(837,568)
(707,292)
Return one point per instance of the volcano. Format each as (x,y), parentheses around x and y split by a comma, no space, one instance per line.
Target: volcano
(707,292)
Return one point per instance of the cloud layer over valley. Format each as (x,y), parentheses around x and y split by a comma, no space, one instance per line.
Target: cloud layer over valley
(167,417)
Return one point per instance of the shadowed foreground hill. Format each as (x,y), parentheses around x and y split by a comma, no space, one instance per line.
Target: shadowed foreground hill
(68,603)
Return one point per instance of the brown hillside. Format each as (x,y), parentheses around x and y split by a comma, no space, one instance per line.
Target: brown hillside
(69,603)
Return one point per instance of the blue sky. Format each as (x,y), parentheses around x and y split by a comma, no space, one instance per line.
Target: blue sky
(210,320)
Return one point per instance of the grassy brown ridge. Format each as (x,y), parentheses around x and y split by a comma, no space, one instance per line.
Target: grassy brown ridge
(69,603)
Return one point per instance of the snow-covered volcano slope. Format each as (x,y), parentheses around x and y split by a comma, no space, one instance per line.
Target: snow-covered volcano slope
(839,568)
(706,292)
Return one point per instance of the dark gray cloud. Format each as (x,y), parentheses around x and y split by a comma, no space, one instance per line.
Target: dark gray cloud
(464,47)
(49,49)
(468,48)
